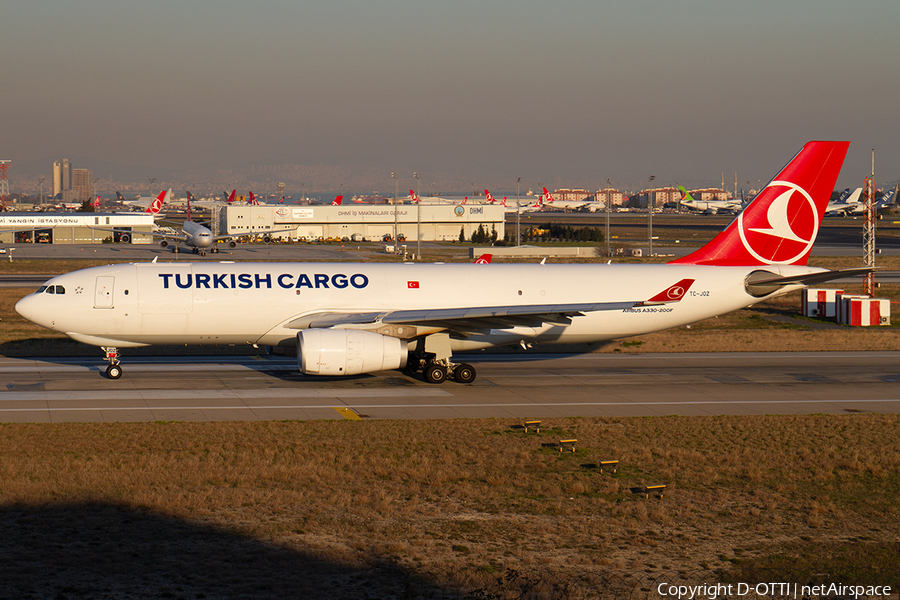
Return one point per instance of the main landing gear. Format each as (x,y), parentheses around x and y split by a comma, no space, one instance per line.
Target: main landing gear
(434,361)
(113,371)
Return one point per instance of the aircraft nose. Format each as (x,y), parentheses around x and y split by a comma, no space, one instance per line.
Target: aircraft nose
(27,307)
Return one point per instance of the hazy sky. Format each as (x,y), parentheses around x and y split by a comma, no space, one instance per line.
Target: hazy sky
(573,92)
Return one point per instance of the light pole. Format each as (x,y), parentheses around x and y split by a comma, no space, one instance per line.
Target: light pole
(650,204)
(418,217)
(396,193)
(518,231)
(608,187)
(152,179)
(41,180)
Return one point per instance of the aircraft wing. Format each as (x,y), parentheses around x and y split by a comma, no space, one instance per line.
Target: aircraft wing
(462,319)
(168,236)
(245,234)
(468,318)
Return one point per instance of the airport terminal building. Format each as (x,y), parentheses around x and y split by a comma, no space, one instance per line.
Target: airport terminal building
(372,222)
(75,227)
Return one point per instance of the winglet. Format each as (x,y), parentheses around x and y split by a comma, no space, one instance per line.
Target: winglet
(673,293)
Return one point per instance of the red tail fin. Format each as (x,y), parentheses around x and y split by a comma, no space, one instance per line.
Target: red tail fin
(488,197)
(157,204)
(337,200)
(413,196)
(231,197)
(780,225)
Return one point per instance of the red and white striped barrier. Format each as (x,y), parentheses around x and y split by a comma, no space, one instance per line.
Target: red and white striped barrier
(862,311)
(819,303)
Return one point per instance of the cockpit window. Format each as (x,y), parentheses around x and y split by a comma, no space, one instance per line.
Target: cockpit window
(51,289)
(41,289)
(60,289)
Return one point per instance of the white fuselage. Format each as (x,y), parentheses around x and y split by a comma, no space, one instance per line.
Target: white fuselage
(197,235)
(256,303)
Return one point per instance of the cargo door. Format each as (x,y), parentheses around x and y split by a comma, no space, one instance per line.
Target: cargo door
(103,293)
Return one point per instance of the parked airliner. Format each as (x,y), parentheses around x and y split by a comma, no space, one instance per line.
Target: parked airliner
(199,238)
(356,318)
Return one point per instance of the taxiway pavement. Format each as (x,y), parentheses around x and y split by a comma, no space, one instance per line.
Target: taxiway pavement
(208,388)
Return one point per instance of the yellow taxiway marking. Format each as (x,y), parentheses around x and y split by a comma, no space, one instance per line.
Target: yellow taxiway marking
(348,413)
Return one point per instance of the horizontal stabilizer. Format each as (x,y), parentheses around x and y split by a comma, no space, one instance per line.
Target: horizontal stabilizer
(760,283)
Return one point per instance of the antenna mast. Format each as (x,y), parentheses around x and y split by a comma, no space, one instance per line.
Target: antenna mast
(4,184)
(869,229)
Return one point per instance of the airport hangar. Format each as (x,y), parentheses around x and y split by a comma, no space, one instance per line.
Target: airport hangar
(75,227)
(372,222)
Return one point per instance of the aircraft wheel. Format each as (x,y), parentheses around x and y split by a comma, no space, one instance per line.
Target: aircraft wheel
(464,373)
(412,364)
(435,373)
(113,371)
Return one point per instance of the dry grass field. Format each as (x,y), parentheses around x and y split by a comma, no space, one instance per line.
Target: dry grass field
(362,501)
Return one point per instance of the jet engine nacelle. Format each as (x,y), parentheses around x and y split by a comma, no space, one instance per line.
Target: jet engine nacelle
(232,244)
(348,352)
(163,244)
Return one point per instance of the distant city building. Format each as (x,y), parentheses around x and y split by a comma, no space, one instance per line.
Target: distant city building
(707,194)
(62,176)
(660,196)
(610,197)
(568,195)
(81,183)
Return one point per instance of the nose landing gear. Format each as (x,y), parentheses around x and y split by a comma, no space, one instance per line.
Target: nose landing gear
(113,371)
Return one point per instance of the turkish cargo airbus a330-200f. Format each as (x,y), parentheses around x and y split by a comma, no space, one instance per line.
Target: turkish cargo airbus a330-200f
(353,318)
